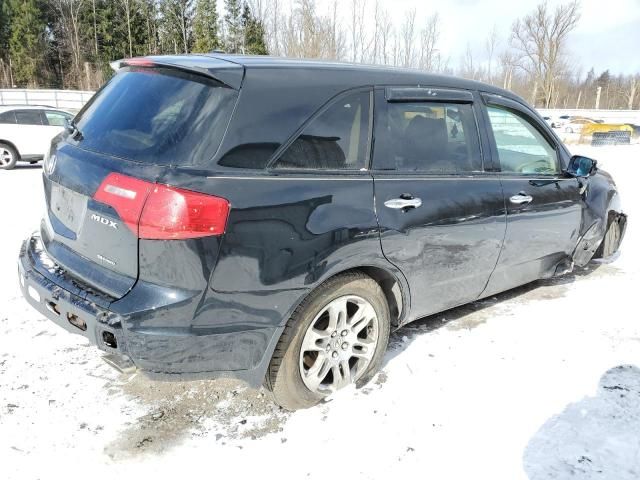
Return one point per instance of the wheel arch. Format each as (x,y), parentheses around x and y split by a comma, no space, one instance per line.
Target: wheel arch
(12,145)
(391,281)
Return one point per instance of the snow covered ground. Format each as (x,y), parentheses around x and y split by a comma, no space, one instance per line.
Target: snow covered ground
(539,382)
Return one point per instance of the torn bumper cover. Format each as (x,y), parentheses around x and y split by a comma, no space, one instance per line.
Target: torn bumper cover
(238,353)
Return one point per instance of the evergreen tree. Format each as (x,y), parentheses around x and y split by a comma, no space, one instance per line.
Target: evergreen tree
(205,26)
(233,26)
(5,33)
(26,42)
(254,33)
(112,34)
(604,79)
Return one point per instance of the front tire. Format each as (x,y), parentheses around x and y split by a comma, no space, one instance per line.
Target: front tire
(8,156)
(337,336)
(611,240)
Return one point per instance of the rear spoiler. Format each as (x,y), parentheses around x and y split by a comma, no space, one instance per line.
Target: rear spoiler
(228,73)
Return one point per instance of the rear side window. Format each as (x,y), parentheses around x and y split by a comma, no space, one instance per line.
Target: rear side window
(7,117)
(28,117)
(521,147)
(159,116)
(427,137)
(336,139)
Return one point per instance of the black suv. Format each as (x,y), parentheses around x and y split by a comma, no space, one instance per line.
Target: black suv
(273,220)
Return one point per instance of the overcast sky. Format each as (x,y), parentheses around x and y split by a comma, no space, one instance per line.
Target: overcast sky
(607,36)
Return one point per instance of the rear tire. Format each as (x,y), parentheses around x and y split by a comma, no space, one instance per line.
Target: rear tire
(8,156)
(337,335)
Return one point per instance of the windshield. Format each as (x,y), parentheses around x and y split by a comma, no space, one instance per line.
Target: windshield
(160,116)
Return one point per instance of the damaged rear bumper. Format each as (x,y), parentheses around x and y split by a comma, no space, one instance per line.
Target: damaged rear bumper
(131,338)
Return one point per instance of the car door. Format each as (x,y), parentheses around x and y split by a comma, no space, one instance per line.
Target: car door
(544,206)
(29,134)
(441,215)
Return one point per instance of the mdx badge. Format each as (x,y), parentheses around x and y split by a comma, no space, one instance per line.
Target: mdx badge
(103,220)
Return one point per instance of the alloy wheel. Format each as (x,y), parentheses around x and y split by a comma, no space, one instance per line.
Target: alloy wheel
(6,157)
(339,344)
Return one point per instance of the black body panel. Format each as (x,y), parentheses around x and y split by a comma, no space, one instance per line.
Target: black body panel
(448,247)
(540,234)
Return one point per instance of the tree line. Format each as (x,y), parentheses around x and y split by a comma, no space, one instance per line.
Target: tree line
(69,43)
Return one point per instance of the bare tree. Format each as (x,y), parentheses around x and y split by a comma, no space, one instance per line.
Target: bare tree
(359,46)
(385,33)
(491,44)
(127,5)
(631,92)
(508,65)
(540,39)
(336,44)
(469,69)
(376,32)
(309,35)
(408,34)
(429,36)
(69,15)
(396,48)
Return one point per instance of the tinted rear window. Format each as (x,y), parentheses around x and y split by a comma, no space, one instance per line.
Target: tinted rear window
(7,117)
(335,139)
(430,137)
(159,116)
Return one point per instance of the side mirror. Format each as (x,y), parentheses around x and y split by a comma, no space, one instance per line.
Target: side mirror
(580,166)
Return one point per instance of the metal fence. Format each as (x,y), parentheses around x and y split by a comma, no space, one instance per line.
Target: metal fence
(71,100)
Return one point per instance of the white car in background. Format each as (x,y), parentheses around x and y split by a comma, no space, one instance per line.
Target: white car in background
(560,121)
(26,132)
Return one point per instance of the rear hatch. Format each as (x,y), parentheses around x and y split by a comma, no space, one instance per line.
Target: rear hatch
(100,177)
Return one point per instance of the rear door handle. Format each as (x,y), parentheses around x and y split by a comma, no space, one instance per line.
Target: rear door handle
(521,198)
(403,203)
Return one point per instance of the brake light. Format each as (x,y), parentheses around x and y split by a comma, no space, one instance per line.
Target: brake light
(138,62)
(172,213)
(126,195)
(161,212)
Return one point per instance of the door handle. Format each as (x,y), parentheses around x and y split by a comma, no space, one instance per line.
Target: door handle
(403,203)
(521,198)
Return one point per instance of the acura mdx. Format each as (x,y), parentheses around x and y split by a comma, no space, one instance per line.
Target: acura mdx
(273,220)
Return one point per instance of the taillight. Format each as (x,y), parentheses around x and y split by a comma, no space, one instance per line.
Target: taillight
(172,213)
(126,195)
(160,212)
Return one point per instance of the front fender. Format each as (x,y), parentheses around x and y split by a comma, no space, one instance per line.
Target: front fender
(602,205)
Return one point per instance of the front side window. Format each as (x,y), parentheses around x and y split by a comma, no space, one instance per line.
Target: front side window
(428,137)
(337,139)
(29,117)
(521,147)
(56,119)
